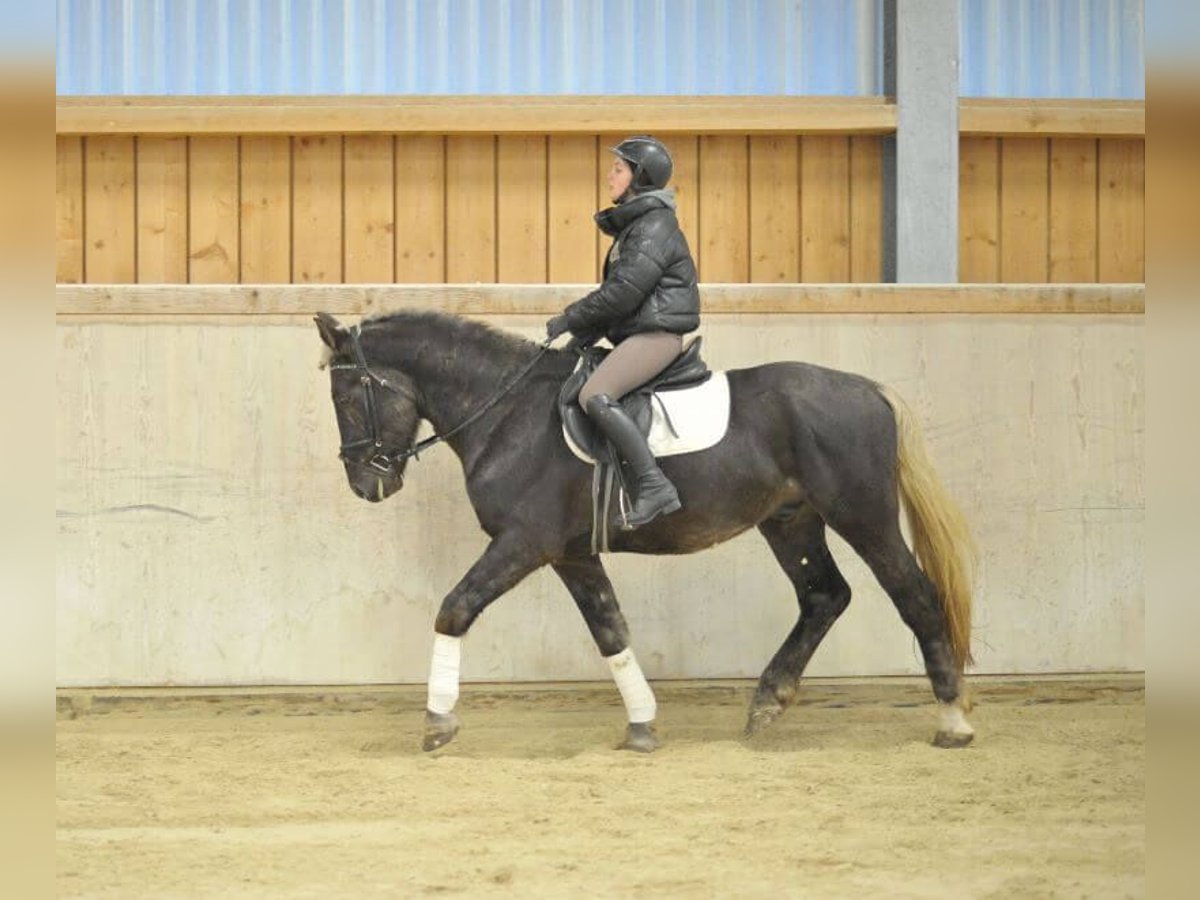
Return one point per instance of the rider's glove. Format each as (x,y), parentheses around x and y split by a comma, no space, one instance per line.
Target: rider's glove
(556,327)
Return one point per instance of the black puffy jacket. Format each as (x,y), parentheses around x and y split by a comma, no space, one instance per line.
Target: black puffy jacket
(649,277)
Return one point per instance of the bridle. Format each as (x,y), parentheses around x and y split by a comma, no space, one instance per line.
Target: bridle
(368,451)
(371,451)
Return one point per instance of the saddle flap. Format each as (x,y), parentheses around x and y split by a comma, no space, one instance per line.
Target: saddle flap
(582,430)
(574,419)
(688,370)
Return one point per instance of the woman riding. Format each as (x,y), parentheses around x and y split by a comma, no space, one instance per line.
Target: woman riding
(647,302)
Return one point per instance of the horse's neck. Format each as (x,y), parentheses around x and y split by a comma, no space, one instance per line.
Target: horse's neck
(455,375)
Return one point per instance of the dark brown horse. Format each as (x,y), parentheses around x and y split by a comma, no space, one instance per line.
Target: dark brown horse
(807,448)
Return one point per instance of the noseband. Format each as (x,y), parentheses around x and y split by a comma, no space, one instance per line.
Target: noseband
(370,451)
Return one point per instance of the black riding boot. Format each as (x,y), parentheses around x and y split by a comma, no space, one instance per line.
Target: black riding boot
(656,496)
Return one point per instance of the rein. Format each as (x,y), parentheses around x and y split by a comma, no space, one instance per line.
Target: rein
(380,459)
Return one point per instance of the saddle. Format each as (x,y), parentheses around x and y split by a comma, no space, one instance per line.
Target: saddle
(687,371)
(699,399)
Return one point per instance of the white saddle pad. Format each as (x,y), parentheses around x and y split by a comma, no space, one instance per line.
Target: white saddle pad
(700,415)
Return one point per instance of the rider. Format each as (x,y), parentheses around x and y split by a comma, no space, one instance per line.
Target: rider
(647,302)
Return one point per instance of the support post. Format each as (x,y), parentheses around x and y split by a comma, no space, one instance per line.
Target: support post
(920,65)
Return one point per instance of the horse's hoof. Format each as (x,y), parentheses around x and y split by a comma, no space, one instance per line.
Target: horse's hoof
(760,718)
(951,740)
(640,737)
(439,730)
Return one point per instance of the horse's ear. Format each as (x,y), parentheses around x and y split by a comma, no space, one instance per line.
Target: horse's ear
(333,333)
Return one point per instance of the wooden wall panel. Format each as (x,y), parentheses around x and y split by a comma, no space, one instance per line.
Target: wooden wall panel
(162,210)
(979,210)
(724,250)
(470,209)
(317,194)
(1121,210)
(521,240)
(213,205)
(110,250)
(866,209)
(266,206)
(1056,210)
(774,209)
(1072,209)
(685,150)
(824,208)
(420,209)
(378,208)
(604,160)
(571,202)
(1024,209)
(370,208)
(68,211)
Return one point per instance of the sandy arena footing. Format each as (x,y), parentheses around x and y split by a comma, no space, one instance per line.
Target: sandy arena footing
(325,792)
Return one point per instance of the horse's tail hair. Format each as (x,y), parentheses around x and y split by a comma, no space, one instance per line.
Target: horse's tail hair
(941,538)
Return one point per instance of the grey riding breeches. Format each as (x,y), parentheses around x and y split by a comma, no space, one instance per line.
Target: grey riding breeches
(631,364)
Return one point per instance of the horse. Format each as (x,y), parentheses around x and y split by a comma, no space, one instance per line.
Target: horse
(807,449)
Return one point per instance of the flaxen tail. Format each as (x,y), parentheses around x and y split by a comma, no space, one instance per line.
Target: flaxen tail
(941,539)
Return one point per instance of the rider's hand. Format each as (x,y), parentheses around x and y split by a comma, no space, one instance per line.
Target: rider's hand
(556,327)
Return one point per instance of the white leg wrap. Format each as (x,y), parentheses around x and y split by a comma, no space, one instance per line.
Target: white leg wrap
(443,673)
(635,691)
(952,719)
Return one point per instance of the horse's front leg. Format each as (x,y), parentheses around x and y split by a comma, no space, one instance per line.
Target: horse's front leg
(506,561)
(588,583)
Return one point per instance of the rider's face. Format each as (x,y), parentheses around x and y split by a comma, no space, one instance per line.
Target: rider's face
(619,177)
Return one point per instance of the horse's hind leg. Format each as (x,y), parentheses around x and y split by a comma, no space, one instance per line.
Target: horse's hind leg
(797,538)
(915,598)
(593,593)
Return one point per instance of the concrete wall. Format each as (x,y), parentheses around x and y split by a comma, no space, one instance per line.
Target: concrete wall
(206,534)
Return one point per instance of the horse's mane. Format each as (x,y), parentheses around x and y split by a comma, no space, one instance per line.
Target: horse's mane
(491,346)
(462,331)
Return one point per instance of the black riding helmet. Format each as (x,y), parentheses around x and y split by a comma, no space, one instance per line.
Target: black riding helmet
(649,159)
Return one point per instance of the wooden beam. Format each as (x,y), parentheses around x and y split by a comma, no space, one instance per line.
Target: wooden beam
(578,114)
(250,301)
(1052,118)
(473,115)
